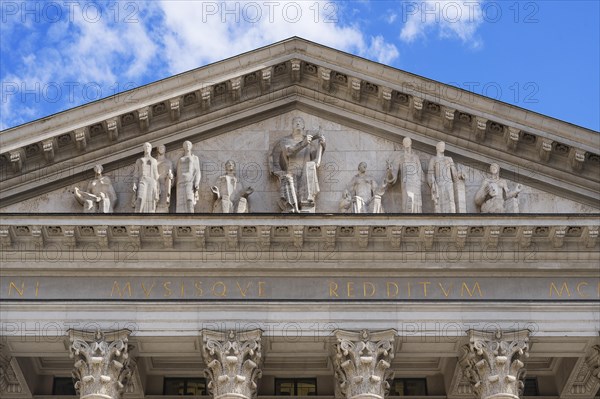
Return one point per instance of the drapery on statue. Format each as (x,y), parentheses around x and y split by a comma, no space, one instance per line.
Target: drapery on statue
(407,168)
(363,194)
(165,180)
(494,196)
(295,160)
(188,180)
(99,196)
(227,197)
(145,185)
(442,176)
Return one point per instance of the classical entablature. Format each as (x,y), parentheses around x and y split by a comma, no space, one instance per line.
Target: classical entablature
(545,153)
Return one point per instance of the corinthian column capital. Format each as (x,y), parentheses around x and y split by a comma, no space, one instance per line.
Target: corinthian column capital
(232,363)
(362,361)
(493,363)
(102,367)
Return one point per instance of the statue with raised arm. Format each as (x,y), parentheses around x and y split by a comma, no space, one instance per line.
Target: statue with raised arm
(165,180)
(99,196)
(145,186)
(188,180)
(494,195)
(441,177)
(228,198)
(407,168)
(294,161)
(363,194)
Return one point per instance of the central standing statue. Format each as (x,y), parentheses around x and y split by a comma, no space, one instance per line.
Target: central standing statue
(407,168)
(145,185)
(442,176)
(295,160)
(188,180)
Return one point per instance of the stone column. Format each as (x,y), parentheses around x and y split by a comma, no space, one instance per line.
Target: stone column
(493,362)
(232,363)
(362,361)
(102,367)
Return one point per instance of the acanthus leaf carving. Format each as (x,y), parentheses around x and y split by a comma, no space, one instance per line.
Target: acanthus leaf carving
(233,362)
(362,361)
(493,362)
(102,368)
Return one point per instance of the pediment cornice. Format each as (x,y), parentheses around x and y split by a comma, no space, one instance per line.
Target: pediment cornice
(356,233)
(295,74)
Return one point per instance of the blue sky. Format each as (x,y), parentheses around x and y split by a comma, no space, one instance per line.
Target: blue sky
(539,55)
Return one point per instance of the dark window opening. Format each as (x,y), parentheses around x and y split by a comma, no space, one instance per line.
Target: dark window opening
(185,386)
(409,387)
(63,386)
(295,386)
(531,387)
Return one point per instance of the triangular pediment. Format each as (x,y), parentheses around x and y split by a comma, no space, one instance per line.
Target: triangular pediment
(237,108)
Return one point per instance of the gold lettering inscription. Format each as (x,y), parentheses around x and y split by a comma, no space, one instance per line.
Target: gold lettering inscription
(13,285)
(37,288)
(425,284)
(116,288)
(333,287)
(222,292)
(198,285)
(564,287)
(149,290)
(350,286)
(465,287)
(371,287)
(390,284)
(408,284)
(182,285)
(242,291)
(446,293)
(261,288)
(580,289)
(167,288)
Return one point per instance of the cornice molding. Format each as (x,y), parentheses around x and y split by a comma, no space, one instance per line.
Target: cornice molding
(435,233)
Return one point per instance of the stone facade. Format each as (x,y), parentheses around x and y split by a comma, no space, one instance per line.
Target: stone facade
(252,298)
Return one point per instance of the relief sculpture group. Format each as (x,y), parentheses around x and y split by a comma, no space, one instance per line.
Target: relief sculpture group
(295,162)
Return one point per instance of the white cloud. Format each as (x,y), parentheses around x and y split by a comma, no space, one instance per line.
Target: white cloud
(453,19)
(162,37)
(199,32)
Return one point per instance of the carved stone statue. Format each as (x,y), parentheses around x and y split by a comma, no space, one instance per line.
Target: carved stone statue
(145,185)
(99,196)
(295,160)
(227,197)
(494,196)
(165,180)
(407,168)
(188,180)
(442,176)
(363,194)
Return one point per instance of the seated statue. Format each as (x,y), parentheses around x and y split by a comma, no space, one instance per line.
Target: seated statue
(100,196)
(363,194)
(294,161)
(494,196)
(228,199)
